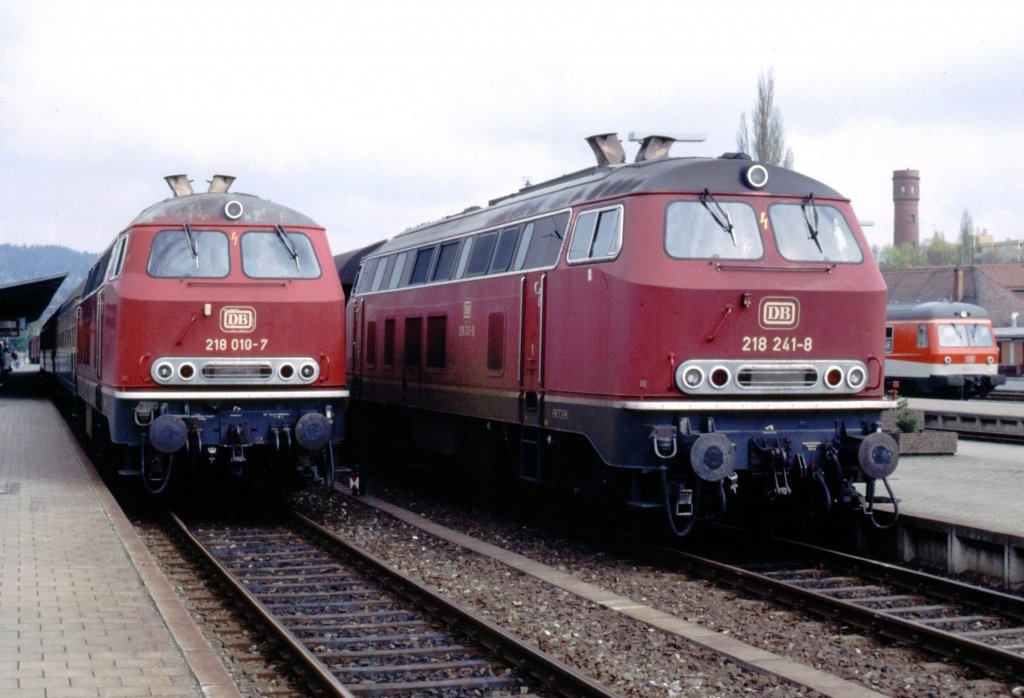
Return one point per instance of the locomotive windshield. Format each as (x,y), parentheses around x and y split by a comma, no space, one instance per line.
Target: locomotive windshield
(813,232)
(694,230)
(184,252)
(278,255)
(959,335)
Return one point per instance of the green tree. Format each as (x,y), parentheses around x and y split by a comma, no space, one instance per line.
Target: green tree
(765,140)
(893,258)
(966,238)
(939,253)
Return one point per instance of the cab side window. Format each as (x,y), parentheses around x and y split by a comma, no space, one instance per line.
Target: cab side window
(597,235)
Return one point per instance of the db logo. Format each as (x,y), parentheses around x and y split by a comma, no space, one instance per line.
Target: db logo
(237,319)
(779,313)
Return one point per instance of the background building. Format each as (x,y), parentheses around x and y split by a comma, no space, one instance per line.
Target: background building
(906,195)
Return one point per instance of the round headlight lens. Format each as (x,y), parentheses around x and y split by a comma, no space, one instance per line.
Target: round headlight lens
(856,378)
(756,176)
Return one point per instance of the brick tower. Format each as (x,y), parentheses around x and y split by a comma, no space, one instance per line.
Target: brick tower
(906,193)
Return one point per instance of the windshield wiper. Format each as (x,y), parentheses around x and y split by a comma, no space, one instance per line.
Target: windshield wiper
(811,219)
(288,245)
(720,215)
(192,248)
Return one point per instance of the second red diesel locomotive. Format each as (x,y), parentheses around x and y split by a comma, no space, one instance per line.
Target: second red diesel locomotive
(208,336)
(690,334)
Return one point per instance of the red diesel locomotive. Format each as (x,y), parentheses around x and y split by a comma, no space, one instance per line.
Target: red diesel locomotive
(688,334)
(941,348)
(210,334)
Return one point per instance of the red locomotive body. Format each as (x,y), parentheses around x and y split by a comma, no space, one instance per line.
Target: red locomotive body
(941,348)
(211,332)
(668,327)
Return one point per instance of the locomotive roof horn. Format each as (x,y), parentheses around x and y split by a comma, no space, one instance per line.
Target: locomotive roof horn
(181,185)
(607,148)
(656,146)
(220,184)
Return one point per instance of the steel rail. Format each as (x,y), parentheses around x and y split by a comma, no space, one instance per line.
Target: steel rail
(319,672)
(563,679)
(957,645)
(540,667)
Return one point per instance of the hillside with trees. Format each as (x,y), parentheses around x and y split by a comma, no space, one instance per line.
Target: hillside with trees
(26,262)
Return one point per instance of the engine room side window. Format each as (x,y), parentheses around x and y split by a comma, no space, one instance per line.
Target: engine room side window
(524,246)
(366,275)
(888,337)
(180,253)
(460,268)
(597,235)
(446,259)
(396,272)
(712,230)
(278,255)
(812,232)
(378,275)
(422,265)
(480,255)
(504,251)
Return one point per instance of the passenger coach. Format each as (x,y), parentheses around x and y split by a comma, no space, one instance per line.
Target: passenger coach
(941,348)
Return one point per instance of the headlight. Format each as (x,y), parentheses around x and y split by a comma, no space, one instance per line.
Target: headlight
(720,377)
(833,377)
(856,378)
(693,377)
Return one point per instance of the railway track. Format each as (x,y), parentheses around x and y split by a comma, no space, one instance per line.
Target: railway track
(362,628)
(1006,396)
(966,623)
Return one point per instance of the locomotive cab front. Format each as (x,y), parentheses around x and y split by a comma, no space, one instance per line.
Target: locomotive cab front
(740,338)
(212,337)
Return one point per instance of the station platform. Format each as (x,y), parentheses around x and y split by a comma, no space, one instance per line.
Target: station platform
(993,418)
(961,513)
(84,609)
(981,485)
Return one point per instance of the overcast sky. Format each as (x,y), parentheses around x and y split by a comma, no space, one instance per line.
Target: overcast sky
(373,117)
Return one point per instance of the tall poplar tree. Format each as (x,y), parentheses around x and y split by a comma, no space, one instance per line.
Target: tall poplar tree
(765,140)
(966,238)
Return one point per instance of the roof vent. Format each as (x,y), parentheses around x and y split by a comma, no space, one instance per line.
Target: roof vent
(656,146)
(220,184)
(607,148)
(181,185)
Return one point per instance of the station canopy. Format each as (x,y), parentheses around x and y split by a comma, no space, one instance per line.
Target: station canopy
(24,302)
